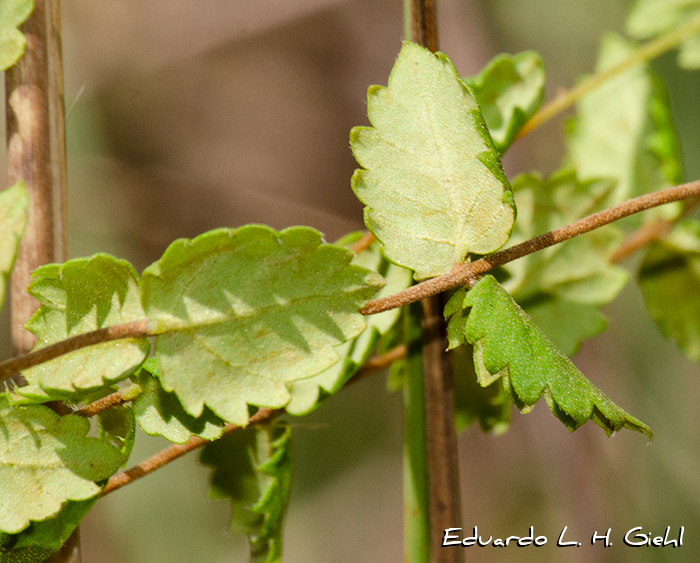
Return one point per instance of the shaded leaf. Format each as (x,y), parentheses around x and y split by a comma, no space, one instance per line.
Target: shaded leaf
(649,18)
(623,130)
(12,41)
(37,541)
(509,346)
(77,297)
(572,279)
(509,90)
(489,406)
(241,313)
(46,460)
(13,220)
(253,467)
(117,426)
(669,278)
(159,413)
(431,180)
(308,393)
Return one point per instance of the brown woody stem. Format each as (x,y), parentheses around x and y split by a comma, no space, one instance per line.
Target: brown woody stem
(460,274)
(176,451)
(465,274)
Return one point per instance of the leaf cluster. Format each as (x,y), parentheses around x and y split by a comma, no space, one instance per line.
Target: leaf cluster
(241,319)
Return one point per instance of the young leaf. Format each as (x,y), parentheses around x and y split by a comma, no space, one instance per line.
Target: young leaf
(46,460)
(13,220)
(12,41)
(623,130)
(649,18)
(308,393)
(241,313)
(253,467)
(76,297)
(572,280)
(431,178)
(669,278)
(509,90)
(509,346)
(159,413)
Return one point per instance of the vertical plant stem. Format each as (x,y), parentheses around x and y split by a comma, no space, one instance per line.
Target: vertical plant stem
(441,438)
(415,485)
(36,154)
(438,395)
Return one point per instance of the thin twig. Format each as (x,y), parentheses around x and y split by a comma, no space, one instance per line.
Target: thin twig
(464,274)
(649,232)
(647,52)
(135,329)
(364,243)
(115,399)
(379,363)
(176,451)
(640,238)
(460,274)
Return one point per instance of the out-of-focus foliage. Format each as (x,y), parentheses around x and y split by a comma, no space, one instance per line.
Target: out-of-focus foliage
(509,90)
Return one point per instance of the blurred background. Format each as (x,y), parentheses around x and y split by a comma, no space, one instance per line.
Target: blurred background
(185,116)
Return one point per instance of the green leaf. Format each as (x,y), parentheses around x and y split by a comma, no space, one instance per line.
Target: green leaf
(12,41)
(13,220)
(33,554)
(37,541)
(623,130)
(489,406)
(159,413)
(117,427)
(431,180)
(571,280)
(46,460)
(308,393)
(649,18)
(245,312)
(253,467)
(669,278)
(77,297)
(509,90)
(509,346)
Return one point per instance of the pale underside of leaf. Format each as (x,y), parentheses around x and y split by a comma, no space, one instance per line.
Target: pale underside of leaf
(509,346)
(308,393)
(159,413)
(46,460)
(80,296)
(242,313)
(431,180)
(12,41)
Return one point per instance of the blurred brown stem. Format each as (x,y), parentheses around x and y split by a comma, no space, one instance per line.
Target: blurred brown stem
(36,154)
(440,437)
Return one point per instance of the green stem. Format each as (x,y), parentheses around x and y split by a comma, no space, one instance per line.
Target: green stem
(647,52)
(415,485)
